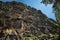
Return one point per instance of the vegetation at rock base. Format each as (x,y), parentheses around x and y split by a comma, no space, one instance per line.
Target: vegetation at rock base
(21,22)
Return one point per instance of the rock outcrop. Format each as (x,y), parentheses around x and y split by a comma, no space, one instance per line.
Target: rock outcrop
(21,22)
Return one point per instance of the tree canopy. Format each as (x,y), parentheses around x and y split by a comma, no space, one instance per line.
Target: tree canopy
(56,7)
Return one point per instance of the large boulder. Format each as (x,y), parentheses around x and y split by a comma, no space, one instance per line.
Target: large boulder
(26,22)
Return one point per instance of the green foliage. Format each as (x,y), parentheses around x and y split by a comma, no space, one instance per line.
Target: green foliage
(47,1)
(42,35)
(30,37)
(56,7)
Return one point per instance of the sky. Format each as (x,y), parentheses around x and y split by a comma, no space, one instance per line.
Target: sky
(47,10)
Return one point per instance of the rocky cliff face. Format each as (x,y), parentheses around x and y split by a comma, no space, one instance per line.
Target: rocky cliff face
(21,22)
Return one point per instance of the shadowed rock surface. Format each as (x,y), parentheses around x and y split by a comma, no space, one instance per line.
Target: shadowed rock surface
(21,22)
